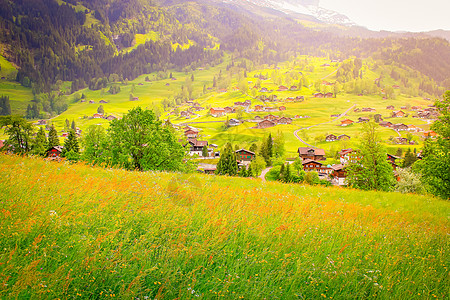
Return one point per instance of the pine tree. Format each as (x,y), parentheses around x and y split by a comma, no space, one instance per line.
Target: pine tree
(205,151)
(100,110)
(73,127)
(270,146)
(250,171)
(227,163)
(40,143)
(71,148)
(52,138)
(287,175)
(67,126)
(282,173)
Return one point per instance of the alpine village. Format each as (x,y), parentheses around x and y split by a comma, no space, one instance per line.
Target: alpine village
(220,149)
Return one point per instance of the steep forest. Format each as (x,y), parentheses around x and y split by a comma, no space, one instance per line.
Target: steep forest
(86,41)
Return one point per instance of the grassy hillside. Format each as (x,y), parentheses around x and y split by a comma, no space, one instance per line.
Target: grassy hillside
(72,231)
(151,94)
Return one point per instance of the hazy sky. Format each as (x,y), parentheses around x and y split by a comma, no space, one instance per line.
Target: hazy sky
(394,15)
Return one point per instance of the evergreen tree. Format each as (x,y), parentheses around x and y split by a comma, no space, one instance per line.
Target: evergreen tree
(53,139)
(205,151)
(67,126)
(409,159)
(5,106)
(40,143)
(71,148)
(282,173)
(270,146)
(73,126)
(287,175)
(227,164)
(253,148)
(250,171)
(100,110)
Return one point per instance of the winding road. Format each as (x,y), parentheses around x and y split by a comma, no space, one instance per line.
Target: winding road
(303,128)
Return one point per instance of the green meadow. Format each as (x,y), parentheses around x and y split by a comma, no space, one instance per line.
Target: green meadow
(154,90)
(73,231)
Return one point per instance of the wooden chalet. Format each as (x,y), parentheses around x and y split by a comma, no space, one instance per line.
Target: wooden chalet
(111,117)
(55,152)
(343,137)
(363,119)
(318,95)
(270,109)
(271,118)
(391,159)
(293,88)
(391,107)
(229,110)
(234,122)
(283,88)
(259,108)
(400,127)
(346,122)
(135,99)
(197,146)
(217,112)
(314,165)
(328,95)
(266,124)
(368,109)
(311,153)
(103,101)
(385,124)
(244,155)
(263,90)
(398,114)
(281,108)
(42,122)
(191,134)
(330,138)
(284,121)
(339,173)
(348,155)
(97,116)
(91,101)
(429,134)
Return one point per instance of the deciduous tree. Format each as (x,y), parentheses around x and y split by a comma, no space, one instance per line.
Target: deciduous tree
(372,171)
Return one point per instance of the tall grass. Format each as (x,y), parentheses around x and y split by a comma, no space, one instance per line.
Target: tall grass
(72,231)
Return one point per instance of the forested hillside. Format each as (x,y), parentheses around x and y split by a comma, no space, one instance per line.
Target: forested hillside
(87,41)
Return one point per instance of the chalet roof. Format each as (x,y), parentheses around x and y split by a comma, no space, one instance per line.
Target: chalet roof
(197,143)
(345,151)
(338,167)
(308,161)
(305,151)
(59,148)
(218,109)
(244,150)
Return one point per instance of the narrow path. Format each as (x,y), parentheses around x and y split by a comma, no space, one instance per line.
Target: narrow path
(303,128)
(263,173)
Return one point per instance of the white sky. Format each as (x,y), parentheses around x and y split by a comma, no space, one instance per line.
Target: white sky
(394,15)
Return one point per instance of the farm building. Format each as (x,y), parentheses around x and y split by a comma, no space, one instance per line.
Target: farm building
(311,153)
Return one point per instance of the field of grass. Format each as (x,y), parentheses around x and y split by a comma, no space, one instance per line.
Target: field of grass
(72,231)
(19,96)
(7,69)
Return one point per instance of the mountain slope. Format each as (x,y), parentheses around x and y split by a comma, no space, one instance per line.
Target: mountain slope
(302,7)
